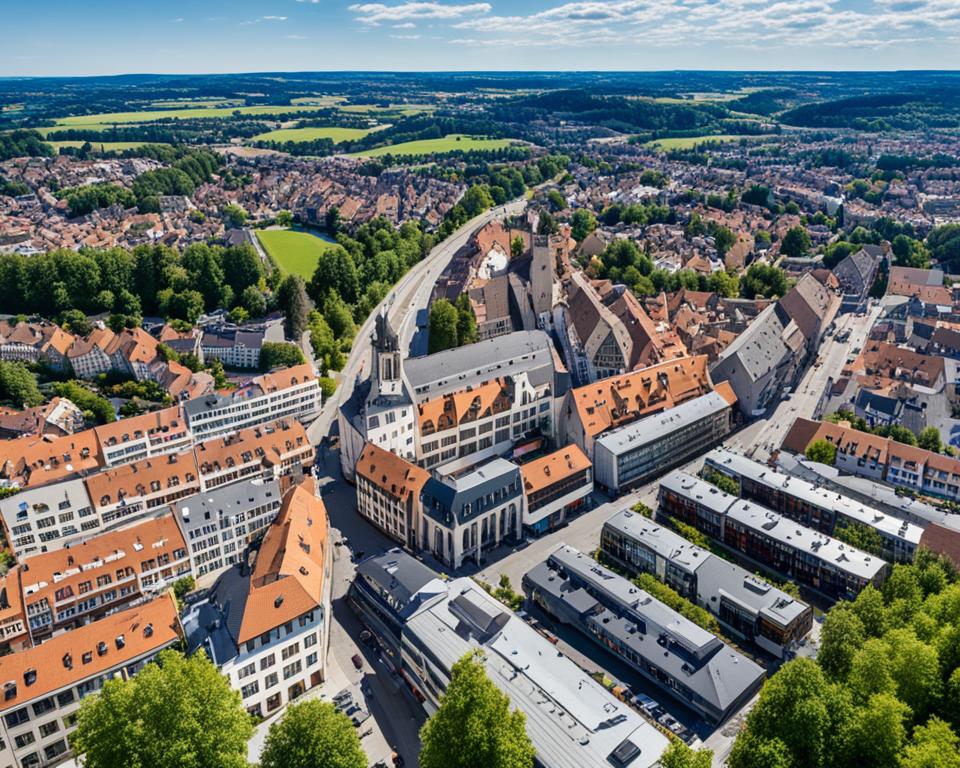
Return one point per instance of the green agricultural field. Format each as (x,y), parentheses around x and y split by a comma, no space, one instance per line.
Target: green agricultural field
(213,101)
(295,252)
(101,146)
(449,143)
(404,109)
(689,142)
(311,134)
(147,116)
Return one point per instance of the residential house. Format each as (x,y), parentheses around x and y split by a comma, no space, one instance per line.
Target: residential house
(388,493)
(555,486)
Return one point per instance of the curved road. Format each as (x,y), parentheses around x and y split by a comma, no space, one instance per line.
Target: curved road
(410,294)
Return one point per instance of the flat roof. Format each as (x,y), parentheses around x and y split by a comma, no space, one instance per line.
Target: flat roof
(571,719)
(887,525)
(652,428)
(693,487)
(715,576)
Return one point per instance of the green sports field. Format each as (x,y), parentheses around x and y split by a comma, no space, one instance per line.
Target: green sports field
(100,146)
(312,134)
(112,118)
(689,142)
(449,143)
(294,252)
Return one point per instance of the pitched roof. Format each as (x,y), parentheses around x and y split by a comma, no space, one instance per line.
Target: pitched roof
(131,480)
(36,461)
(67,659)
(552,468)
(391,473)
(620,399)
(288,576)
(164,424)
(267,443)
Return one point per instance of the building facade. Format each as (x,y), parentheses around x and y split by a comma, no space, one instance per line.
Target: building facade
(554,487)
(388,494)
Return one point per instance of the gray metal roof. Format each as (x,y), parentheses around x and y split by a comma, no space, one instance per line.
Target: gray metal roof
(699,660)
(715,576)
(760,347)
(402,579)
(463,496)
(651,429)
(572,720)
(888,526)
(455,369)
(228,500)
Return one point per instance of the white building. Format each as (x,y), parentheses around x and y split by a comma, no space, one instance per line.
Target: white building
(267,629)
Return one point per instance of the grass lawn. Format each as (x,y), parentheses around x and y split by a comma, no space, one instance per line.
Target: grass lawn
(296,252)
(111,118)
(448,143)
(310,134)
(404,109)
(101,146)
(688,142)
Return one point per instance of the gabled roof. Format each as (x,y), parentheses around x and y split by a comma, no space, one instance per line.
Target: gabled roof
(288,576)
(90,650)
(390,473)
(553,468)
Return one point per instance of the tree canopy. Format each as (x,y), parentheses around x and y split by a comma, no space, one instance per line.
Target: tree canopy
(178,711)
(474,726)
(313,734)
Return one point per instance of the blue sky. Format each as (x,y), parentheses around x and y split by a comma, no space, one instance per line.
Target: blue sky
(81,37)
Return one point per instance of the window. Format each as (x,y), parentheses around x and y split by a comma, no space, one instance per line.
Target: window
(250,689)
(246,671)
(290,650)
(310,640)
(44,705)
(25,739)
(292,669)
(65,698)
(56,749)
(48,729)
(268,661)
(270,680)
(311,659)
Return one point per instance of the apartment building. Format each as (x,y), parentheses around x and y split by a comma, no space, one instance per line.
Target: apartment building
(35,461)
(467,383)
(67,588)
(684,660)
(14,636)
(219,524)
(467,513)
(745,604)
(630,455)
(89,355)
(388,493)
(269,450)
(141,437)
(267,628)
(555,486)
(837,570)
(475,423)
(32,342)
(880,458)
(291,393)
(239,346)
(815,507)
(590,411)
(45,685)
(51,515)
(571,719)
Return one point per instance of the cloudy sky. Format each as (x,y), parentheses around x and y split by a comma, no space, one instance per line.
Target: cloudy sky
(69,37)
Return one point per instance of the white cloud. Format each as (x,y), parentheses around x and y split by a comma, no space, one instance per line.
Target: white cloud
(405,37)
(375,13)
(274,18)
(405,25)
(767,24)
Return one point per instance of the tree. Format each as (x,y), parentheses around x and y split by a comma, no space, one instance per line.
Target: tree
(929,439)
(279,354)
(76,322)
(841,636)
(18,385)
(284,219)
(235,215)
(293,301)
(332,220)
(860,536)
(801,709)
(338,317)
(723,239)
(241,267)
(933,745)
(763,280)
(177,711)
(796,243)
(870,670)
(444,320)
(750,751)
(466,321)
(908,252)
(875,734)
(253,300)
(313,734)
(679,755)
(516,247)
(822,451)
(476,200)
(474,725)
(724,283)
(556,200)
(335,272)
(582,223)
